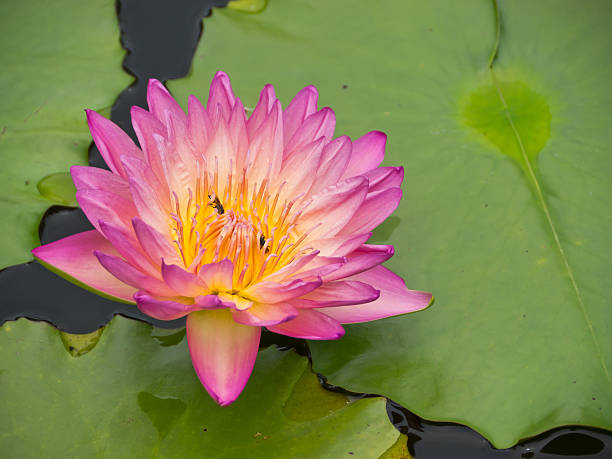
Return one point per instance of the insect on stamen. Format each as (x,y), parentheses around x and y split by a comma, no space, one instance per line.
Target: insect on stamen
(216,203)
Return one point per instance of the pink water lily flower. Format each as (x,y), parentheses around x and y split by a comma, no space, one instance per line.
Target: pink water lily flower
(237,222)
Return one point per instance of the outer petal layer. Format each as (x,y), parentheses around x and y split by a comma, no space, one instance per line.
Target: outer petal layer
(164,309)
(362,259)
(310,324)
(368,153)
(339,293)
(395,298)
(111,141)
(223,352)
(373,211)
(264,315)
(74,256)
(274,292)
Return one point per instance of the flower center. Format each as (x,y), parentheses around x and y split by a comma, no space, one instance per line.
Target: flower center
(236,220)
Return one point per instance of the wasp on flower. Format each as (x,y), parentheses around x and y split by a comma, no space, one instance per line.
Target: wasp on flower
(237,223)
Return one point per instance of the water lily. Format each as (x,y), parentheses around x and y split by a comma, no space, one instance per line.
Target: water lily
(237,222)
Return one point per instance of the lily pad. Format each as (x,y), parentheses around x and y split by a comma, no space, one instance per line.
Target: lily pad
(135,396)
(506,212)
(57,59)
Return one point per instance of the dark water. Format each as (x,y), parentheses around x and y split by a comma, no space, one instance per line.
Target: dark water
(161,37)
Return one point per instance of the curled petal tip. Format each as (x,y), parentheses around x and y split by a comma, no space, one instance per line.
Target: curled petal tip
(155,83)
(221,402)
(431,300)
(220,74)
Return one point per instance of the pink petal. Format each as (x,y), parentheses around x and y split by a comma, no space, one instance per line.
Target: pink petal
(221,94)
(310,324)
(383,178)
(330,211)
(334,159)
(166,109)
(105,206)
(301,107)
(293,267)
(321,267)
(74,258)
(156,246)
(163,309)
(181,281)
(237,127)
(128,247)
(368,153)
(339,293)
(218,276)
(266,146)
(264,315)
(211,302)
(341,245)
(362,259)
(199,124)
(111,141)
(320,124)
(219,146)
(148,206)
(128,274)
(140,171)
(374,210)
(394,298)
(99,179)
(148,129)
(300,169)
(222,352)
(267,98)
(275,292)
(236,302)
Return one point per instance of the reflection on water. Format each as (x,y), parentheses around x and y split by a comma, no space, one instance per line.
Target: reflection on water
(32,291)
(575,443)
(435,440)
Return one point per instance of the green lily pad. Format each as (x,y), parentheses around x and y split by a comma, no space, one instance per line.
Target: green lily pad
(58,188)
(248,6)
(135,396)
(57,59)
(506,215)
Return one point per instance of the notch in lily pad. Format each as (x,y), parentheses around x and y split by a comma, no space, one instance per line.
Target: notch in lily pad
(309,400)
(80,344)
(58,188)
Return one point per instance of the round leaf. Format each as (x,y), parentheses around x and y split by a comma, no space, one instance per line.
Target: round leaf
(135,395)
(506,214)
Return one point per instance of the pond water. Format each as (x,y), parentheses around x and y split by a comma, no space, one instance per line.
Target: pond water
(161,37)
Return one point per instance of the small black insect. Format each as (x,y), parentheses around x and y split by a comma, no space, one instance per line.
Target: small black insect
(216,203)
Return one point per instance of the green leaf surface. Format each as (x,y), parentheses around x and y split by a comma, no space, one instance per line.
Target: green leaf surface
(136,395)
(58,188)
(248,6)
(57,59)
(506,214)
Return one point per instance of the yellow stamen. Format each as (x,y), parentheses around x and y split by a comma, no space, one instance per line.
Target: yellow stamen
(243,222)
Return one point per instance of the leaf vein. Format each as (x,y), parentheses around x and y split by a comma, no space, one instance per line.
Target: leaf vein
(540,195)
